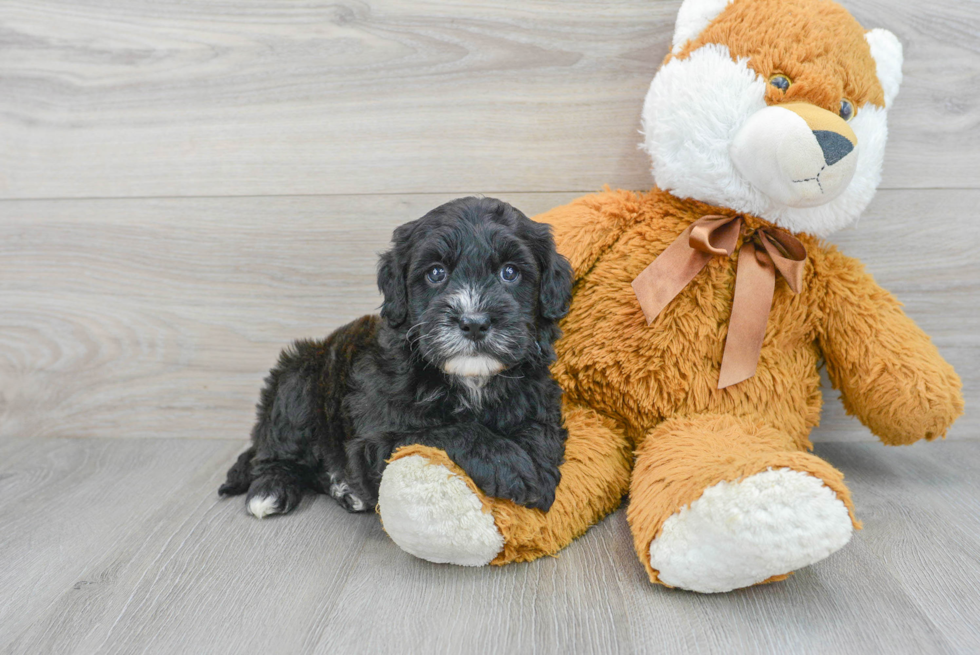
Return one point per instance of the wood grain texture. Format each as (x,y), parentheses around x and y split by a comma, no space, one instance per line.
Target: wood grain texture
(929,543)
(120,547)
(159,318)
(67,503)
(262,97)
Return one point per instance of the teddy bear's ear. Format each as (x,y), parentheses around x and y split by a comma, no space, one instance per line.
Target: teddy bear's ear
(887,52)
(693,17)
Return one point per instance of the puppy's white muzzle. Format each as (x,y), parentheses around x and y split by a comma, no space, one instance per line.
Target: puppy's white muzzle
(797,154)
(470,366)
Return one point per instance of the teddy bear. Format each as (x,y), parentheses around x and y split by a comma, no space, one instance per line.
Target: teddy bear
(702,311)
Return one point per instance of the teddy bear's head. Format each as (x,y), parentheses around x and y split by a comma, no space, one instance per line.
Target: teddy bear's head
(775,108)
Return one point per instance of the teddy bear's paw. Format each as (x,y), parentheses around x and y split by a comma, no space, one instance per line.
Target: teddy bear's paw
(742,533)
(431,513)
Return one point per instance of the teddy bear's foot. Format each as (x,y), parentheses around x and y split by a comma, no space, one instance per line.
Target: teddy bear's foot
(431,512)
(742,533)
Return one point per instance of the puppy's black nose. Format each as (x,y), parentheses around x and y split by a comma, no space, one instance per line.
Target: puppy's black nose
(475,326)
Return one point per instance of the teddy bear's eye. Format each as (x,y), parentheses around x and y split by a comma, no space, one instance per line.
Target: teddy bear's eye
(781,82)
(846,109)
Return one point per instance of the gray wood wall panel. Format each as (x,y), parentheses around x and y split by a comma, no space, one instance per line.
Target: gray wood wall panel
(143,98)
(155,318)
(122,546)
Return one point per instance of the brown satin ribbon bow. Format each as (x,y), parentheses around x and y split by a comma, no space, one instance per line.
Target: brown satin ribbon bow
(763,252)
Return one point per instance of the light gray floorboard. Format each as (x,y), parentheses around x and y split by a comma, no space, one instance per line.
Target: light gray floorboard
(920,508)
(68,505)
(264,97)
(121,546)
(129,318)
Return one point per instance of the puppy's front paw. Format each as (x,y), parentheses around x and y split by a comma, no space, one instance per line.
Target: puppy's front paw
(514,476)
(541,489)
(544,494)
(430,512)
(527,491)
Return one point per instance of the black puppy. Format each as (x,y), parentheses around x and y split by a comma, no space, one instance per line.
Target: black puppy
(458,360)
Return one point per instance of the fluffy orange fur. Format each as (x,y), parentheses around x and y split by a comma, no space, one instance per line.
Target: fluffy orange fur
(652,389)
(642,406)
(817,45)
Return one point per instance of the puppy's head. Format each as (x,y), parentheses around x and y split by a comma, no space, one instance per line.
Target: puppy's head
(475,287)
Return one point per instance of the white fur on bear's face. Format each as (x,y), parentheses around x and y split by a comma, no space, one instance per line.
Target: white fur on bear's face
(887,52)
(693,111)
(779,154)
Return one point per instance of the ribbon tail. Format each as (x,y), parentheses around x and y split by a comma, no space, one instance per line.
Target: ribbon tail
(755,282)
(669,273)
(788,256)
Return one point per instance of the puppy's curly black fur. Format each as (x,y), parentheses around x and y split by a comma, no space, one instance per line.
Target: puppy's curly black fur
(459,358)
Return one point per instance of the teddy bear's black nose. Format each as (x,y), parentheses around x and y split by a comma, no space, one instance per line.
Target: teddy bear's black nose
(835,146)
(474,326)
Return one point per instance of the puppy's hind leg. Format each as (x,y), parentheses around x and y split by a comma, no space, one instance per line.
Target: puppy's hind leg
(340,491)
(273,486)
(239,475)
(287,432)
(300,430)
(278,488)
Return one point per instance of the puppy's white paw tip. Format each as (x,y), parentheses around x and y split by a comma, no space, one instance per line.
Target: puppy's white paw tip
(431,513)
(741,533)
(262,506)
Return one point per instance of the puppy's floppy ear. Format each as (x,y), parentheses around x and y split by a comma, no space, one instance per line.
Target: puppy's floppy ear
(391,283)
(391,277)
(555,287)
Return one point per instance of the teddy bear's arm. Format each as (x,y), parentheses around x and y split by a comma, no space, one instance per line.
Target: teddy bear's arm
(586,227)
(522,466)
(434,510)
(888,371)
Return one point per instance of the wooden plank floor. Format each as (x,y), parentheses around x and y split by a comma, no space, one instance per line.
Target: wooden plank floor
(122,546)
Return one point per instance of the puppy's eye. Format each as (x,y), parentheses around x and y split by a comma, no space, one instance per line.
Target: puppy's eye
(509,273)
(436,274)
(781,82)
(847,110)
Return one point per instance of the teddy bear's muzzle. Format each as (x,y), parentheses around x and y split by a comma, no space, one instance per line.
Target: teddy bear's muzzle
(797,154)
